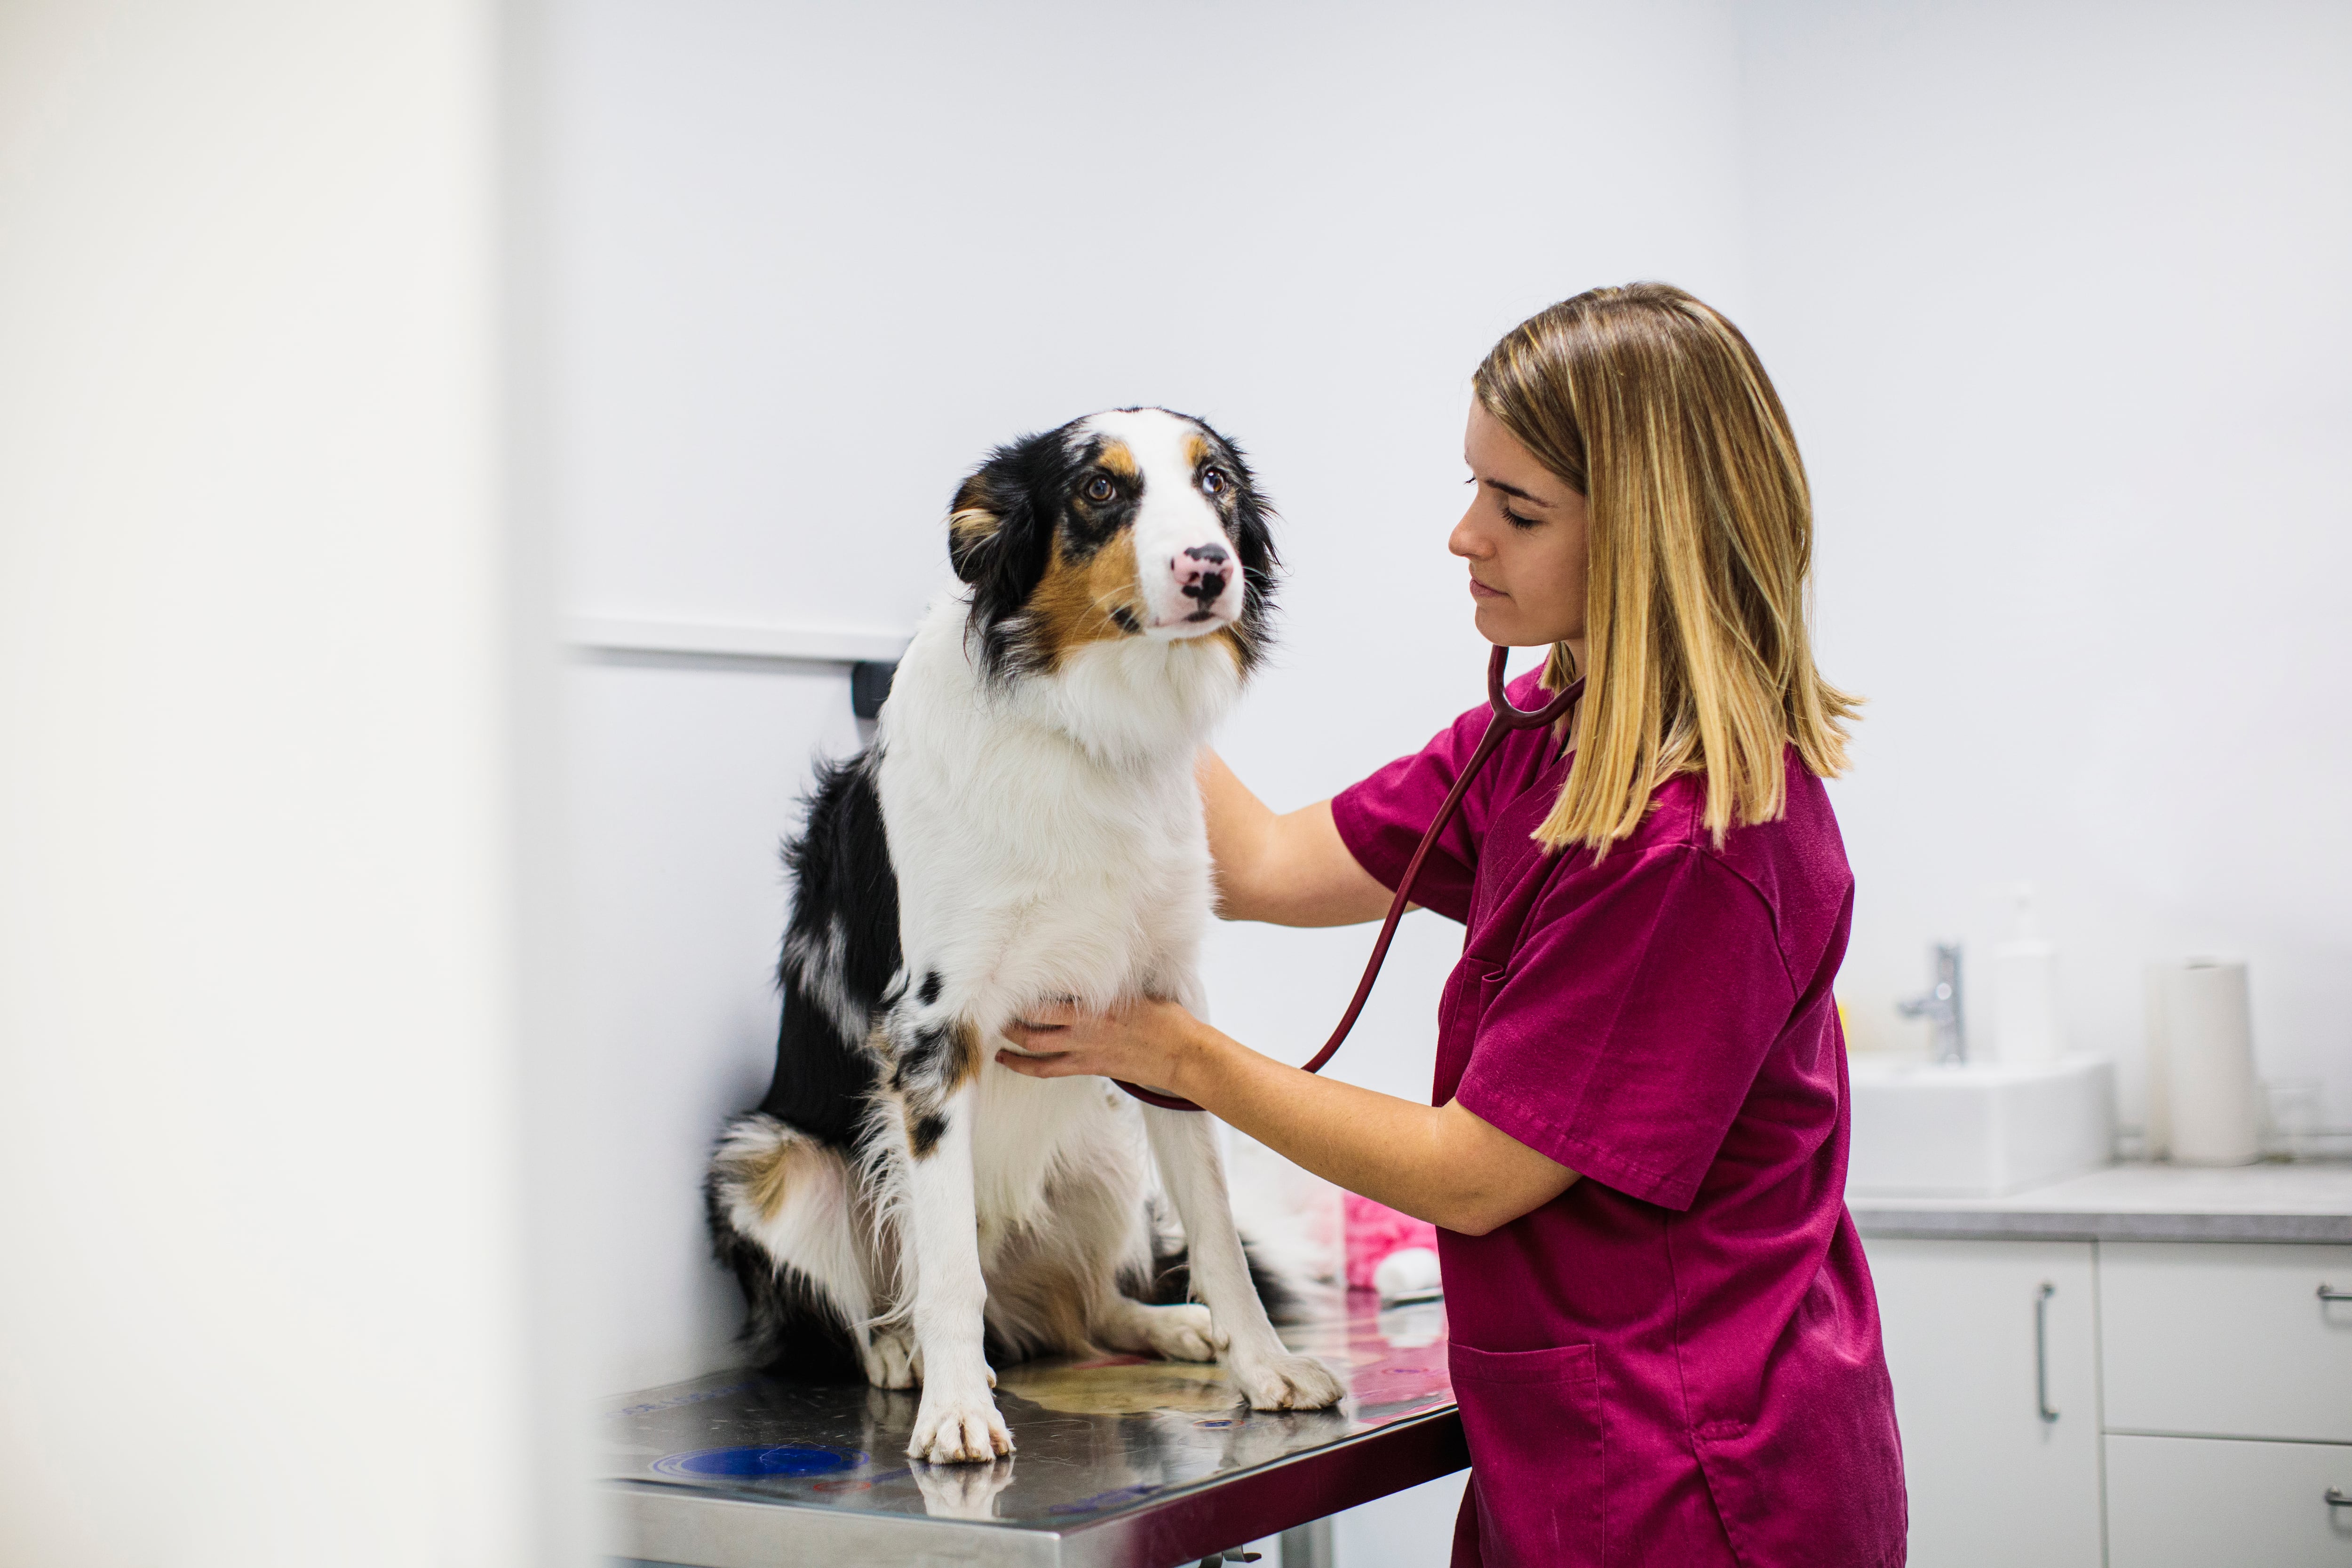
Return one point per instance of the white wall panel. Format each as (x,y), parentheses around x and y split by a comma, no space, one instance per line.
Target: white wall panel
(2054,293)
(687,775)
(263,1297)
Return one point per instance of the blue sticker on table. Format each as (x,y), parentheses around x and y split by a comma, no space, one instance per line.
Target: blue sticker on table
(780,1459)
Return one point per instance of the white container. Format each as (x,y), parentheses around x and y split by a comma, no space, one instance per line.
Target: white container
(1977,1129)
(2204,1108)
(2026,1028)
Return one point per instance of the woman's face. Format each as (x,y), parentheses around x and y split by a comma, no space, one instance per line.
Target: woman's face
(1525,538)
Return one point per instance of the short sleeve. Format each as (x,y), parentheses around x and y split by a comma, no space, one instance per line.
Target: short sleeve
(1382,818)
(1624,1031)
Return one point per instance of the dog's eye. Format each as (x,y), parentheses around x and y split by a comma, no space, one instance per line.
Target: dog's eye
(1100,489)
(1212,480)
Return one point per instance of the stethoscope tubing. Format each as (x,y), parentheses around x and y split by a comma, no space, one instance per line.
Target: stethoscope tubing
(1508,718)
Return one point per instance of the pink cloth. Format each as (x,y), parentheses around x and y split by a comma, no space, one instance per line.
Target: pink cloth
(1375,1230)
(1677,1359)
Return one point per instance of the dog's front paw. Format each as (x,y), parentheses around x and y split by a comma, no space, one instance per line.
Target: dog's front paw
(1288,1383)
(961,1427)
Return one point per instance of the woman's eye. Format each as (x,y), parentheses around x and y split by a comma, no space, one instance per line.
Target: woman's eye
(1100,489)
(1515,520)
(1211,481)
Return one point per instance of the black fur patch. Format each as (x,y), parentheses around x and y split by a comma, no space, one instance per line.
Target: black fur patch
(929,990)
(1033,490)
(843,939)
(929,1059)
(924,1135)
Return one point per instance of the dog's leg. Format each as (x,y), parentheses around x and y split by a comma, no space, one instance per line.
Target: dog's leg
(1185,1332)
(1099,1218)
(781,1207)
(934,1074)
(1271,1377)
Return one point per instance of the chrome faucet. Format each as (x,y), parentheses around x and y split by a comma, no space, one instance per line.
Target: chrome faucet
(1941,1006)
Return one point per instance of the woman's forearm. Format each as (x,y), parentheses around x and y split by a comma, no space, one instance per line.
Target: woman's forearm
(1287,870)
(1439,1163)
(1240,828)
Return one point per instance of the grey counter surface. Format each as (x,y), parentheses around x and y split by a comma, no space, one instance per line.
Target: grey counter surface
(1121,1461)
(2297,1202)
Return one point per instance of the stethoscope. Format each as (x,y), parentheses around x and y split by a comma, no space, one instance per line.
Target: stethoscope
(1506,719)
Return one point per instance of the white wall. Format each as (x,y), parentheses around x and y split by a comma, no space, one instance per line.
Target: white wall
(2056,297)
(810,263)
(260,1203)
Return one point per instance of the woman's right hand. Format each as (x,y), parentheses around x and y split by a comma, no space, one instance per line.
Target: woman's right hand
(1289,870)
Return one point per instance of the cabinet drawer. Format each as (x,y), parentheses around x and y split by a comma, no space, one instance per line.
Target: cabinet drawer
(2226,1340)
(2201,1503)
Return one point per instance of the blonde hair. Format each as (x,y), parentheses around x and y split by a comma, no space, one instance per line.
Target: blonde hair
(1659,413)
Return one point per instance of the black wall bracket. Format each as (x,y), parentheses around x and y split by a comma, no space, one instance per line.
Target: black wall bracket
(869,686)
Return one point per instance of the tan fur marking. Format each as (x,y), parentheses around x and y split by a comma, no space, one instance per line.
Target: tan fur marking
(972,523)
(1234,642)
(919,1103)
(1116,457)
(1073,601)
(1196,450)
(964,1064)
(769,1181)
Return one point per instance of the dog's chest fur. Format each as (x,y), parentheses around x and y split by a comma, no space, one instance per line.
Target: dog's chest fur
(1033,866)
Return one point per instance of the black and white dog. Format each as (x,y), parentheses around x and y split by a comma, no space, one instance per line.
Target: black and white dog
(1025,827)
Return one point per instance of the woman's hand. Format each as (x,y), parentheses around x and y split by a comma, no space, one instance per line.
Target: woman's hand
(1445,1165)
(1143,1041)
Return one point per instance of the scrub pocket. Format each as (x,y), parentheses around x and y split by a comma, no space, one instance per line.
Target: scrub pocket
(1536,1451)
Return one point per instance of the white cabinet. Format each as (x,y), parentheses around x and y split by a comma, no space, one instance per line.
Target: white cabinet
(1992,1346)
(2192,1502)
(2227,1340)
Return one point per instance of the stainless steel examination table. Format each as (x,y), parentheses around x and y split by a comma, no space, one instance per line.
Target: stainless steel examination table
(1120,1462)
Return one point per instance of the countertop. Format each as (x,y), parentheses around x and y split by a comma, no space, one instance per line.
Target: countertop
(1120,1460)
(2307,1202)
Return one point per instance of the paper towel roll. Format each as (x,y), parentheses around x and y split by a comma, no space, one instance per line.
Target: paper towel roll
(2201,1053)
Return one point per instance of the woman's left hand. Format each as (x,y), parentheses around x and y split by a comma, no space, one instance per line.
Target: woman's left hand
(1143,1041)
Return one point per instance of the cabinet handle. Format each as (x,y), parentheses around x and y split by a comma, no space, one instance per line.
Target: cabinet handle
(2330,1293)
(2042,1351)
(2337,1499)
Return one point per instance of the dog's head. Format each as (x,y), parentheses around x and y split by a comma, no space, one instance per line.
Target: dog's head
(1138,523)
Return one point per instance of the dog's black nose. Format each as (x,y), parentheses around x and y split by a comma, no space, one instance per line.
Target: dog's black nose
(1206,554)
(1206,588)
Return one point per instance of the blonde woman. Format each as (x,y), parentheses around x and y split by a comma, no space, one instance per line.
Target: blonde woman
(1663,1337)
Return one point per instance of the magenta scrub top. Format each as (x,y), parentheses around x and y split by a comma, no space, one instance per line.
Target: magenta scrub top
(1676,1361)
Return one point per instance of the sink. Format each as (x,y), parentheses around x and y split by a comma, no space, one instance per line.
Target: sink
(1977,1129)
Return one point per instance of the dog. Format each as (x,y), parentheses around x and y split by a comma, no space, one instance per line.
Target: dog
(1026,827)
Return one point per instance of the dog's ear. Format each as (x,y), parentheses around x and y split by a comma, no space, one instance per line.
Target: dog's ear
(975,522)
(1000,528)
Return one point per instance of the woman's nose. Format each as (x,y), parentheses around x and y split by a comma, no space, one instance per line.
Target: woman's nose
(1467,542)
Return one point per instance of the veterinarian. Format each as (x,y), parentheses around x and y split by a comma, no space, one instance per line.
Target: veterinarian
(1663,1337)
